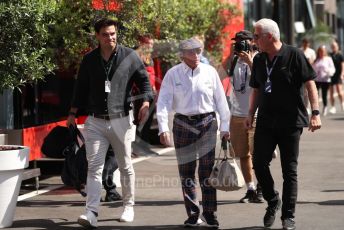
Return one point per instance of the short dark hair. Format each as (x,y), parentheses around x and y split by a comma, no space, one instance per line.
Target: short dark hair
(104,22)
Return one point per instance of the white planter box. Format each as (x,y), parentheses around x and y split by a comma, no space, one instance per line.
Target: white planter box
(12,165)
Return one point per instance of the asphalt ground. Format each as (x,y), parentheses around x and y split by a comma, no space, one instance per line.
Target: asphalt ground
(159,203)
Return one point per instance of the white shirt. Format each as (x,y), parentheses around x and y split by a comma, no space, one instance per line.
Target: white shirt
(191,92)
(310,54)
(324,68)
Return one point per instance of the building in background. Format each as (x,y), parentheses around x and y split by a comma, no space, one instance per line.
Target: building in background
(301,18)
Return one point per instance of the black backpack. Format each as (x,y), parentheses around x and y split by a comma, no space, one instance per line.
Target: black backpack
(56,141)
(74,172)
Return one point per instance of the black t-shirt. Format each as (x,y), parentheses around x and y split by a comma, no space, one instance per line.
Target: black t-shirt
(284,105)
(337,60)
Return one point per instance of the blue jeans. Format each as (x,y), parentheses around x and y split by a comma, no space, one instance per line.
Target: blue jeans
(265,142)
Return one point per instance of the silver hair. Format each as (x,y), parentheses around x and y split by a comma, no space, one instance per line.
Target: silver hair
(268,26)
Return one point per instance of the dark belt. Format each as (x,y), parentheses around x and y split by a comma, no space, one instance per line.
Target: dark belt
(109,116)
(195,117)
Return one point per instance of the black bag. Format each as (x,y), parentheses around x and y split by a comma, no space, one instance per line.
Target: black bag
(56,141)
(74,172)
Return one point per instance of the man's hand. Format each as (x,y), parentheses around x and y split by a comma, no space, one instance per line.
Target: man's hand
(248,122)
(144,112)
(314,123)
(247,57)
(165,139)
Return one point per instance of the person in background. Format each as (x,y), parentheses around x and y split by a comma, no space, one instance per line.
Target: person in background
(146,131)
(194,91)
(242,138)
(324,69)
(109,185)
(144,50)
(103,88)
(337,78)
(203,58)
(311,56)
(308,51)
(279,74)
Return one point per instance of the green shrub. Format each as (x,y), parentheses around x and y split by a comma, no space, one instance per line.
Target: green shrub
(24,56)
(167,20)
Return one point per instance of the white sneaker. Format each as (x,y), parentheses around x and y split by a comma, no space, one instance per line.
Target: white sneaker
(128,214)
(332,110)
(88,220)
(325,111)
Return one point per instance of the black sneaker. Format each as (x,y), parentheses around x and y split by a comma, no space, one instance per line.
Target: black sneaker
(259,195)
(288,224)
(270,214)
(249,197)
(112,196)
(192,221)
(210,220)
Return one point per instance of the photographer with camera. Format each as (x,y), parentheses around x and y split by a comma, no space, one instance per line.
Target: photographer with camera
(242,138)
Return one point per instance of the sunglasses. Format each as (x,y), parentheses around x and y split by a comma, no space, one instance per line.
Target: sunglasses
(257,36)
(193,51)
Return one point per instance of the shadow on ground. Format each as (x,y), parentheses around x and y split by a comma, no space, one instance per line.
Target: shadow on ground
(56,224)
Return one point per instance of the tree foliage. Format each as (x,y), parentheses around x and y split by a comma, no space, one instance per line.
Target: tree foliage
(167,20)
(24,56)
(36,35)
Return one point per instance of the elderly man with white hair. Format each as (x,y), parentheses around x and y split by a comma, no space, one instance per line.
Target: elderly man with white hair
(194,91)
(279,75)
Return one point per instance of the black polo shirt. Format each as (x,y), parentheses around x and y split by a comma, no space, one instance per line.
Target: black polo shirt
(284,105)
(127,69)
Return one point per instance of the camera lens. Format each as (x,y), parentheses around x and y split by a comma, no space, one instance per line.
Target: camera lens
(241,46)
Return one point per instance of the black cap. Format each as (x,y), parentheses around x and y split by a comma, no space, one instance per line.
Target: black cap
(243,35)
(190,44)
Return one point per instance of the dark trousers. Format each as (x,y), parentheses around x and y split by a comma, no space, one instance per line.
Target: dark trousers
(110,167)
(265,141)
(324,86)
(196,139)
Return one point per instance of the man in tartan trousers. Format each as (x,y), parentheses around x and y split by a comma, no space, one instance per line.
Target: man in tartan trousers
(194,91)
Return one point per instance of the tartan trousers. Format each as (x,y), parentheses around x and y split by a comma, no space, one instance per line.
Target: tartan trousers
(196,140)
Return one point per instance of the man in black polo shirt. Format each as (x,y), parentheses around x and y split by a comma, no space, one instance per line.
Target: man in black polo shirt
(103,89)
(279,75)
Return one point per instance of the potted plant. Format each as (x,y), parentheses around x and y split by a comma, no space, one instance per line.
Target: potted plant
(24,59)
(13,160)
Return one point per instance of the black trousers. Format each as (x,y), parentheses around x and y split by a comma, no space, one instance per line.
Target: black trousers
(265,142)
(324,86)
(110,167)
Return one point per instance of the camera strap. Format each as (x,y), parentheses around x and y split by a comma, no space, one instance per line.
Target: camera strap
(242,86)
(233,63)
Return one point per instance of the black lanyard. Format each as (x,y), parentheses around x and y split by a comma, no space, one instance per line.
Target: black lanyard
(242,88)
(107,67)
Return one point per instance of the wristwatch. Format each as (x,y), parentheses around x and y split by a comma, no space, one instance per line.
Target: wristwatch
(315,112)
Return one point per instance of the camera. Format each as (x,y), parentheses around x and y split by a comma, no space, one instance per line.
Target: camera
(241,46)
